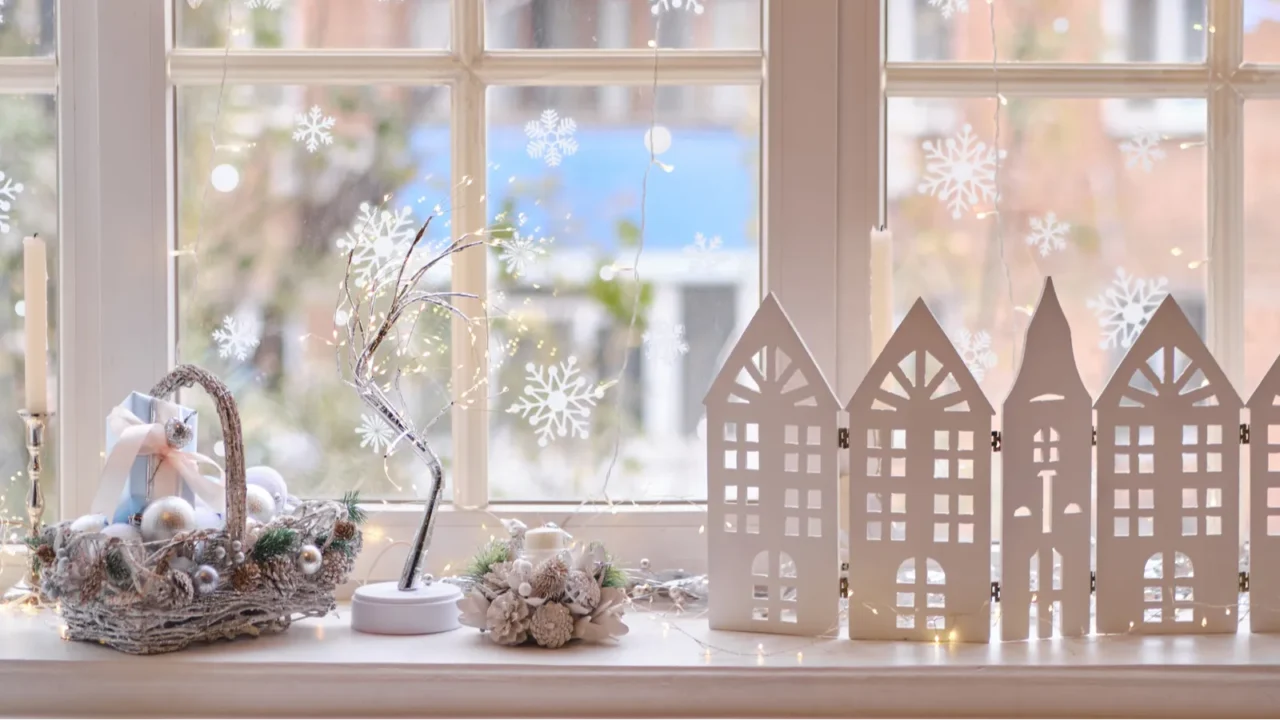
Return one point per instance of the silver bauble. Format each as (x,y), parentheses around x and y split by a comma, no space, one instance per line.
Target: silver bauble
(205,580)
(268,479)
(127,533)
(238,558)
(207,519)
(166,517)
(177,433)
(89,523)
(310,559)
(236,545)
(219,553)
(258,504)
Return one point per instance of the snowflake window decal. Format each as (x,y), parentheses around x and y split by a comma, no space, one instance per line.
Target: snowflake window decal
(374,433)
(2,12)
(960,171)
(950,7)
(665,343)
(657,7)
(551,138)
(265,4)
(519,252)
(557,401)
(313,129)
(1143,150)
(703,252)
(236,338)
(1048,234)
(376,241)
(9,189)
(1125,307)
(975,350)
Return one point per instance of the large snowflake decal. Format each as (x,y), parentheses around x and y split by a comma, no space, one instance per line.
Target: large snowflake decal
(665,343)
(1124,308)
(950,7)
(1143,149)
(960,171)
(314,128)
(704,251)
(9,190)
(519,252)
(660,6)
(377,242)
(1,13)
(236,338)
(374,433)
(268,4)
(551,137)
(1048,233)
(975,350)
(557,401)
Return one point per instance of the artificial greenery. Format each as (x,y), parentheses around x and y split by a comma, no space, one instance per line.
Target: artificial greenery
(343,546)
(33,544)
(274,542)
(355,513)
(614,577)
(497,551)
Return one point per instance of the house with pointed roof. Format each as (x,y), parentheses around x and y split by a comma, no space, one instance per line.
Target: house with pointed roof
(1048,477)
(1264,503)
(919,492)
(1168,486)
(772,484)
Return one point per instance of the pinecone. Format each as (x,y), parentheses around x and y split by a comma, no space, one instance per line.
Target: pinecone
(549,579)
(91,586)
(344,530)
(334,568)
(582,590)
(281,573)
(507,620)
(46,555)
(246,576)
(552,625)
(174,589)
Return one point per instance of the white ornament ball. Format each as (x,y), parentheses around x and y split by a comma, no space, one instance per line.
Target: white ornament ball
(205,580)
(309,559)
(270,480)
(258,504)
(657,139)
(127,533)
(207,519)
(166,517)
(89,523)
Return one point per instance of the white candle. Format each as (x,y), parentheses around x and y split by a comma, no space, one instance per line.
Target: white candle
(881,289)
(544,542)
(36,289)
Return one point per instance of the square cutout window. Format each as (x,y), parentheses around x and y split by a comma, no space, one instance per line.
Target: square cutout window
(1213,462)
(1190,498)
(941,504)
(941,440)
(1213,434)
(1152,593)
(906,622)
(935,622)
(1273,525)
(791,498)
(1273,434)
(813,464)
(753,495)
(873,439)
(753,524)
(1122,463)
(788,615)
(1213,498)
(941,468)
(964,504)
(1037,456)
(1189,464)
(964,468)
(964,440)
(942,532)
(788,593)
(791,434)
(1053,453)
(1146,435)
(905,600)
(792,527)
(935,600)
(791,463)
(1122,500)
(730,459)
(753,432)
(873,530)
(1152,615)
(1190,524)
(1146,499)
(897,502)
(731,522)
(1122,435)
(1184,615)
(731,432)
(874,466)
(760,592)
(1121,527)
(760,614)
(1190,434)
(873,503)
(815,527)
(899,439)
(753,459)
(1213,525)
(814,501)
(898,467)
(1146,526)
(1273,462)
(730,494)
(1146,463)
(898,531)
(1273,497)
(964,532)
(813,435)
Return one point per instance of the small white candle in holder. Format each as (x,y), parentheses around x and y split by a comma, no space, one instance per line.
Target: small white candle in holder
(544,542)
(35,278)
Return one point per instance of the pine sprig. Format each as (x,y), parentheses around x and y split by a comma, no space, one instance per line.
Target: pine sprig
(273,543)
(496,551)
(614,577)
(118,568)
(355,513)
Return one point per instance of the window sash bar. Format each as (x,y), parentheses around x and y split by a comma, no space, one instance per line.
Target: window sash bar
(27,76)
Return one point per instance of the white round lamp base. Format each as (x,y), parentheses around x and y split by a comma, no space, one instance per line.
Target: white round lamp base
(385,609)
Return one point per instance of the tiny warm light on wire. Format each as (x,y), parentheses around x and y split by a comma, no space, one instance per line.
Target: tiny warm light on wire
(1130,624)
(1194,264)
(986,214)
(1176,252)
(1204,622)
(799,658)
(1228,611)
(936,638)
(1195,143)
(1003,100)
(951,636)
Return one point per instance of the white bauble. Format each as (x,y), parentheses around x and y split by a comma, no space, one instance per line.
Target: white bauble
(207,519)
(310,559)
(127,533)
(270,480)
(166,517)
(258,504)
(89,523)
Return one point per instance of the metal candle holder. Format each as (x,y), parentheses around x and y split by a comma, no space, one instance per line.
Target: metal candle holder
(27,590)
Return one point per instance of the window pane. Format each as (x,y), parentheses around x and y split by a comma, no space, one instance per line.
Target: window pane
(1164,31)
(567,168)
(28,205)
(260,222)
(1261,31)
(553,24)
(314,23)
(28,28)
(1262,227)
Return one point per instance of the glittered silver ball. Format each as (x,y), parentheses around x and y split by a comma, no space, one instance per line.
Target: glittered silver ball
(177,433)
(205,580)
(89,523)
(258,504)
(428,578)
(166,517)
(238,558)
(644,563)
(309,559)
(219,553)
(236,545)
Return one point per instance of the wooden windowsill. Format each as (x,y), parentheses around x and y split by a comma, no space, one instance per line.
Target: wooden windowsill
(321,668)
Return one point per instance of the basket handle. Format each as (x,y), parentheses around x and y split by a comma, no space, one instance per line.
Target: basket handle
(187,376)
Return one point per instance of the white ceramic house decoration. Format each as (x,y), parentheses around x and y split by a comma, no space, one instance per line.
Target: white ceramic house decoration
(1168,486)
(1047,455)
(1264,503)
(772,484)
(920,492)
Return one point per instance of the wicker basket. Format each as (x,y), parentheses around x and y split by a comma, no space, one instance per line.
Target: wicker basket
(142,599)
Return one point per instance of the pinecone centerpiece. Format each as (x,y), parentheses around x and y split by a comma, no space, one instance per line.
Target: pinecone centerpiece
(567,595)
